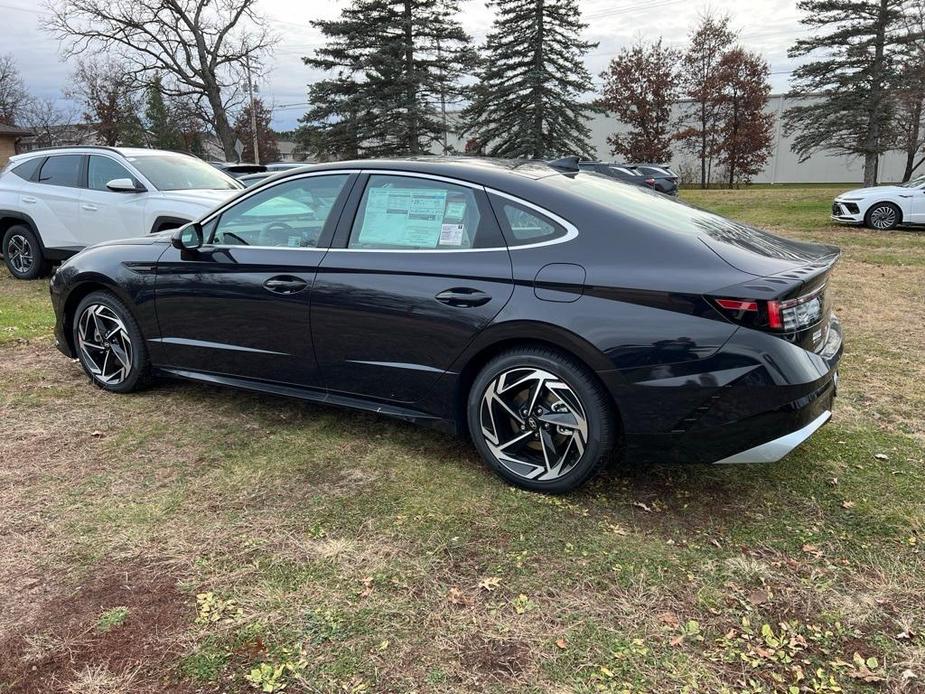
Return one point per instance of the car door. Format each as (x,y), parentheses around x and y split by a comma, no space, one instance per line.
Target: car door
(52,200)
(239,305)
(107,214)
(414,274)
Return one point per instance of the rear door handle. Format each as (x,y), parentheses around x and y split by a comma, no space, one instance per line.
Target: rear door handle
(29,199)
(463,297)
(89,208)
(285,284)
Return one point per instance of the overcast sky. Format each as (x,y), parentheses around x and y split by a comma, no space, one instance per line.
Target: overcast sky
(766,26)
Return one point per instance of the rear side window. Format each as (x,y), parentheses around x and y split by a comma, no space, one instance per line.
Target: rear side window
(27,169)
(408,213)
(63,170)
(524,225)
(102,170)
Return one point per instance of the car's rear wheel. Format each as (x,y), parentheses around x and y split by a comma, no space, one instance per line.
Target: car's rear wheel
(883,216)
(541,420)
(109,343)
(22,253)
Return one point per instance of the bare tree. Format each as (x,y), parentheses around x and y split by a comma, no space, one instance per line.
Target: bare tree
(197,46)
(53,125)
(110,101)
(13,96)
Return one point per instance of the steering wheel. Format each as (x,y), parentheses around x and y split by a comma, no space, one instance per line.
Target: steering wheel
(267,232)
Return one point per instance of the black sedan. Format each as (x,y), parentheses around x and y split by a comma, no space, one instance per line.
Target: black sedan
(553,317)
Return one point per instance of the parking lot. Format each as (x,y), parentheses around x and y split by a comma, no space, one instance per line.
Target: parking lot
(194,539)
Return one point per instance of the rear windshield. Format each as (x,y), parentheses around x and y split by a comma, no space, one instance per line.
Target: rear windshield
(670,214)
(179,172)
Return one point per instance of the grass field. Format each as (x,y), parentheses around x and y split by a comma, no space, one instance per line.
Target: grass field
(192,539)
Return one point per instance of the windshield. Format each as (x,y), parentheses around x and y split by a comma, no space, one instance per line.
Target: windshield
(914,183)
(180,172)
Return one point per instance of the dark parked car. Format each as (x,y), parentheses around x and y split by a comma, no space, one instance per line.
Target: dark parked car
(664,179)
(552,316)
(250,180)
(621,173)
(237,170)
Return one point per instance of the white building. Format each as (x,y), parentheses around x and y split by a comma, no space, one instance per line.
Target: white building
(783,165)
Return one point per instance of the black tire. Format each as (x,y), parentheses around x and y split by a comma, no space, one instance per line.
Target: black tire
(495,428)
(97,367)
(22,253)
(883,216)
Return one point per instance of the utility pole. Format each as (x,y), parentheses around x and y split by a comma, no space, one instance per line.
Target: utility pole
(250,91)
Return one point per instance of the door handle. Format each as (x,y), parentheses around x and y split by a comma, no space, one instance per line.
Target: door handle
(285,284)
(463,297)
(89,207)
(29,199)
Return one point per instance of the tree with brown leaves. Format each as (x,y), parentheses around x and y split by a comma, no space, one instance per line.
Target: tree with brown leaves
(702,84)
(109,100)
(266,138)
(745,131)
(640,87)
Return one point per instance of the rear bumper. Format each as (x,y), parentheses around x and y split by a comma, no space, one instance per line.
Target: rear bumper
(774,450)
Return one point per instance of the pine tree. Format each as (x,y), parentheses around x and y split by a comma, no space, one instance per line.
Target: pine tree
(855,49)
(639,89)
(266,138)
(162,129)
(528,99)
(394,61)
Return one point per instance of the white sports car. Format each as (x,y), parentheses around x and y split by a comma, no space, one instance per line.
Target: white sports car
(882,207)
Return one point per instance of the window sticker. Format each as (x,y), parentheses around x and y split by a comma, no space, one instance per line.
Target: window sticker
(454,211)
(452,234)
(410,217)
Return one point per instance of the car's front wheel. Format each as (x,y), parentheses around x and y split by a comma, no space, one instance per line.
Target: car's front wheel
(22,253)
(109,343)
(883,216)
(541,420)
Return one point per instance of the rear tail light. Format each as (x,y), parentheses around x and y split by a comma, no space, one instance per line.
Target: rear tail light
(786,316)
(796,314)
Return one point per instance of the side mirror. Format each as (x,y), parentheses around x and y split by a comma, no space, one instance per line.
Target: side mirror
(187,238)
(122,185)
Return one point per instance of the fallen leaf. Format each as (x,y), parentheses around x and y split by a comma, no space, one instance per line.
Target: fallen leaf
(669,618)
(561,644)
(490,583)
(643,506)
(881,456)
(812,549)
(96,434)
(834,481)
(847,504)
(457,597)
(758,597)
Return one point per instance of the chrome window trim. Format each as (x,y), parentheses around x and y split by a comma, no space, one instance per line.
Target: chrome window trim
(219,211)
(571,231)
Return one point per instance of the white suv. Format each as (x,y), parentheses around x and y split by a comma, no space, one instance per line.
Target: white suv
(55,202)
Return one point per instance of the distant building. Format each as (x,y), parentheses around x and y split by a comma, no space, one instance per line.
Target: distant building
(10,139)
(783,165)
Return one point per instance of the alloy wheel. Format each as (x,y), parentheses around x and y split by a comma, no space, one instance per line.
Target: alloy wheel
(104,344)
(20,253)
(883,217)
(533,423)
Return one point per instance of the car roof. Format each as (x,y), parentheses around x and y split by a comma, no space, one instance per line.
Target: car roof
(480,170)
(85,149)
